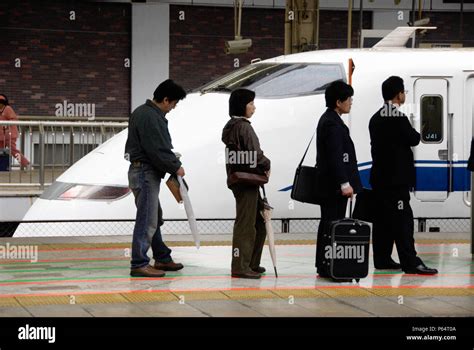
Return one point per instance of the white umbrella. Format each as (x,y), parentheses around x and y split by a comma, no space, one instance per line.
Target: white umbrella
(189,211)
(267,217)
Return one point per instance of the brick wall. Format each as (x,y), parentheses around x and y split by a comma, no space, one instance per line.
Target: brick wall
(333,28)
(197,43)
(80,61)
(448,31)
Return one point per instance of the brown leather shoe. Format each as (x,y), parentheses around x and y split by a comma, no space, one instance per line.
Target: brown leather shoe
(170,266)
(147,271)
(249,275)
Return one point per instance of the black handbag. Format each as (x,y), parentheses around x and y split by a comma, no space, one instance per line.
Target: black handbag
(306,184)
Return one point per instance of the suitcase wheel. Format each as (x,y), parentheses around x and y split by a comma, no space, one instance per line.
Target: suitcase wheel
(357,280)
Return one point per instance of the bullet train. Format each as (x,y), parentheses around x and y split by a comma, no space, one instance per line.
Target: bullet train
(289,101)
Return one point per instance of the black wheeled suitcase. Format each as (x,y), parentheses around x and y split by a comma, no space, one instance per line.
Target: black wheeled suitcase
(347,250)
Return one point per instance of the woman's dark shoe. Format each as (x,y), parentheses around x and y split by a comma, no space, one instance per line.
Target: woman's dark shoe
(259,269)
(249,275)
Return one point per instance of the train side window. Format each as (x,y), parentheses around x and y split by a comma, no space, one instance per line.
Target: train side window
(431,119)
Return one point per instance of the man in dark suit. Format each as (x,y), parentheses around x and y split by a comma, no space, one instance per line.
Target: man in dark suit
(337,164)
(392,178)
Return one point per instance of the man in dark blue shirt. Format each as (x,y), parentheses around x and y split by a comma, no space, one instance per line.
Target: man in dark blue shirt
(149,151)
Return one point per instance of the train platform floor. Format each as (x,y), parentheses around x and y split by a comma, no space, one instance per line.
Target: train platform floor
(89,277)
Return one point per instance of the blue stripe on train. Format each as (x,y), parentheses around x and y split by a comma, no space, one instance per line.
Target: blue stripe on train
(427,178)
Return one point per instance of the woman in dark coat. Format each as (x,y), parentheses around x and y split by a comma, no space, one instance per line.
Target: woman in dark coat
(243,154)
(337,162)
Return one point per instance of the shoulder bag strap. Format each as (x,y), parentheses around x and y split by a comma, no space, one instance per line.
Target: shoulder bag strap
(307,148)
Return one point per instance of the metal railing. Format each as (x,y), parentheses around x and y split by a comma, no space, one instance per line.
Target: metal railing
(106,227)
(50,146)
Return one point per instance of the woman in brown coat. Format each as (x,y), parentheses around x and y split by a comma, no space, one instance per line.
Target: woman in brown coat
(243,154)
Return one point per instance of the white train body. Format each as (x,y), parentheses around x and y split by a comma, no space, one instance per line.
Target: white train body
(440,84)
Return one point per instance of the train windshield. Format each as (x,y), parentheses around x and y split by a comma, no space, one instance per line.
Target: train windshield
(277,80)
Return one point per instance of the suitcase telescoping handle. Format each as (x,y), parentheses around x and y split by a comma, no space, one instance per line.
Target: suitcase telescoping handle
(349,205)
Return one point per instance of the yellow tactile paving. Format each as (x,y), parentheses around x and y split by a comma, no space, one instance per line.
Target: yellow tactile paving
(9,302)
(44,300)
(338,292)
(429,292)
(250,294)
(212,295)
(347,292)
(100,299)
(300,293)
(146,297)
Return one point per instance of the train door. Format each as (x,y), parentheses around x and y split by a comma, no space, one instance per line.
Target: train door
(433,156)
(468,132)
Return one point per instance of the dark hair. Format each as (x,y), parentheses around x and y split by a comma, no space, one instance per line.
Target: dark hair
(238,101)
(4,100)
(169,89)
(337,91)
(392,87)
